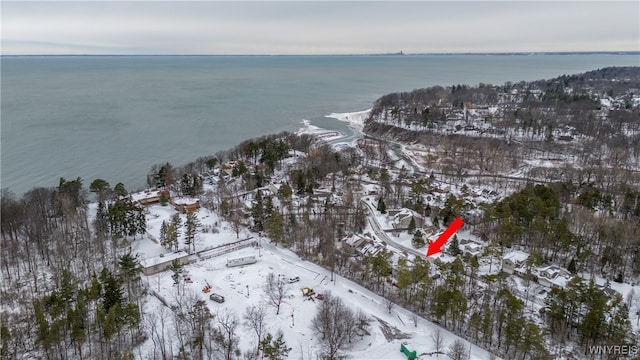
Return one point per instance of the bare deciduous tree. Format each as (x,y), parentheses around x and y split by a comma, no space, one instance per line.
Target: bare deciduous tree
(276,290)
(390,303)
(235,219)
(254,319)
(336,324)
(437,342)
(457,350)
(224,334)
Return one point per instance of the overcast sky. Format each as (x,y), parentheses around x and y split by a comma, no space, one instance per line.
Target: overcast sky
(203,27)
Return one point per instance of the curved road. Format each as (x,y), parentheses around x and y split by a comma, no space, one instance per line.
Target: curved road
(386,238)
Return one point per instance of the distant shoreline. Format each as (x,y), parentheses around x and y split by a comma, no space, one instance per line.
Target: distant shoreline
(401,54)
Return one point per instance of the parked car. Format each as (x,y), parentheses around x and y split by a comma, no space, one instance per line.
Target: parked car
(217,298)
(294,280)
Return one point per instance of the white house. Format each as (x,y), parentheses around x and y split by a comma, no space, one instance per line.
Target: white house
(364,245)
(470,247)
(402,218)
(553,276)
(514,262)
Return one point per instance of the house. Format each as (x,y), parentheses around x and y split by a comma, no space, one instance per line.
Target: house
(553,276)
(609,291)
(513,262)
(442,189)
(186,205)
(401,218)
(161,263)
(149,196)
(364,245)
(429,231)
(274,189)
(227,168)
(470,247)
(320,196)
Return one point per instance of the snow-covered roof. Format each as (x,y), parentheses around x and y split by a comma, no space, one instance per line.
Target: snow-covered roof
(472,247)
(146,194)
(561,281)
(274,188)
(404,213)
(516,256)
(185,201)
(163,258)
(552,271)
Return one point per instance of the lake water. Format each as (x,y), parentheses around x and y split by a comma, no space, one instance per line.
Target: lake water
(113,117)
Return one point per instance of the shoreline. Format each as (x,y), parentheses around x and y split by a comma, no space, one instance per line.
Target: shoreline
(355,121)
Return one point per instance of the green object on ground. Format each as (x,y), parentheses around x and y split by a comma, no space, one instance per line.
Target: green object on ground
(411,355)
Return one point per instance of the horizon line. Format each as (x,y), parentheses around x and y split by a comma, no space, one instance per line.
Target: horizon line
(397,54)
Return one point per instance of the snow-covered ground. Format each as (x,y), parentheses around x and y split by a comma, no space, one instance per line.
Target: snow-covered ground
(212,231)
(318,132)
(243,286)
(355,119)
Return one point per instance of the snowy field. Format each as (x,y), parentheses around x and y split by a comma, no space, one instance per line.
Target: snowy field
(242,287)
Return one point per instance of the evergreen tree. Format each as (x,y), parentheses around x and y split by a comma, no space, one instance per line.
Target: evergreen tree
(126,218)
(101,188)
(186,185)
(274,349)
(224,207)
(380,266)
(572,265)
(412,226)
(274,226)
(191,227)
(131,269)
(211,163)
(139,226)
(257,211)
(403,277)
(72,191)
(164,177)
(173,232)
(452,208)
(285,192)
(418,239)
(268,206)
(120,191)
(111,290)
(381,206)
(163,234)
(163,199)
(100,222)
(239,169)
(454,246)
(177,270)
(199,318)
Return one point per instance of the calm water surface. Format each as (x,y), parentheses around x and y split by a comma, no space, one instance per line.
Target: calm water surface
(113,117)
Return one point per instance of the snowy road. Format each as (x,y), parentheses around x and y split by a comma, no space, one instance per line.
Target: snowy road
(386,238)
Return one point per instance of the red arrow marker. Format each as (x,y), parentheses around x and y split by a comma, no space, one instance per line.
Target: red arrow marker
(434,247)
